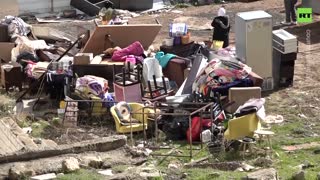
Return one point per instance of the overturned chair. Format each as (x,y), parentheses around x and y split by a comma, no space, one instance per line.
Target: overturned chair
(241,127)
(123,113)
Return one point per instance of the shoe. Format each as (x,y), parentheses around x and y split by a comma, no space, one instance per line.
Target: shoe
(285,23)
(294,23)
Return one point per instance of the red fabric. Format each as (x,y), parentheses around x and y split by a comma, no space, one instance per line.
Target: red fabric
(135,49)
(196,128)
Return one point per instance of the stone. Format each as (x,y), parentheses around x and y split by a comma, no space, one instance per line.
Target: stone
(107,172)
(174,165)
(44,177)
(92,161)
(48,144)
(263,174)
(263,162)
(70,164)
(37,141)
(106,165)
(19,171)
(300,175)
(27,130)
(25,139)
(247,167)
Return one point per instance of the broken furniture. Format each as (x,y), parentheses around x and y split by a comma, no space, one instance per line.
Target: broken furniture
(71,110)
(151,67)
(253,38)
(5,51)
(127,85)
(242,126)
(264,134)
(91,7)
(241,95)
(137,112)
(246,143)
(175,70)
(82,58)
(11,75)
(4,34)
(157,92)
(285,48)
(185,109)
(109,36)
(106,69)
(133,5)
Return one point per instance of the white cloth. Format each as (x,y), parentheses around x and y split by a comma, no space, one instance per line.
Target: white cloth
(221,12)
(151,67)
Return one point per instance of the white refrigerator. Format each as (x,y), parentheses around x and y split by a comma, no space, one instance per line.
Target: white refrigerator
(254,43)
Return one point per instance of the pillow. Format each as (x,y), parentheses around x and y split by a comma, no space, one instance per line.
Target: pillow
(123,110)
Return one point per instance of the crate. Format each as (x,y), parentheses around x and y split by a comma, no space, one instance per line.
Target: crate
(128,93)
(127,85)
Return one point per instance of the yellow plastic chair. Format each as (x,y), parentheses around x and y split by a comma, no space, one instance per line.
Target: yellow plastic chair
(242,126)
(137,110)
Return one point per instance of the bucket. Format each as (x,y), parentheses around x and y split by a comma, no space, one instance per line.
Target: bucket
(168,42)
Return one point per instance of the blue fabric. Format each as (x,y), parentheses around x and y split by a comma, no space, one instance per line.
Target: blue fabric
(164,58)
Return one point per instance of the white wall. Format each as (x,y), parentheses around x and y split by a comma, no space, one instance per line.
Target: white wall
(42,6)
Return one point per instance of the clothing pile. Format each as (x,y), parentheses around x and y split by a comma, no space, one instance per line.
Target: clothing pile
(16,26)
(94,86)
(220,75)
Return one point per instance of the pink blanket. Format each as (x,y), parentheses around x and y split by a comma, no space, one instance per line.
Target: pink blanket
(135,49)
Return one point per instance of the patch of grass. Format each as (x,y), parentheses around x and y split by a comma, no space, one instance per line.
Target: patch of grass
(208,173)
(288,162)
(81,175)
(120,168)
(6,105)
(38,128)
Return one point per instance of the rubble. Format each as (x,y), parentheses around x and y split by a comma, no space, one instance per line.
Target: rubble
(19,171)
(300,175)
(263,162)
(70,165)
(107,172)
(44,177)
(92,161)
(270,174)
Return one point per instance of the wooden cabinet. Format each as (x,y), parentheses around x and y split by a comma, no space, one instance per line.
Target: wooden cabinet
(11,75)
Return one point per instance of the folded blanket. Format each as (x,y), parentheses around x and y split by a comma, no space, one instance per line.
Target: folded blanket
(252,105)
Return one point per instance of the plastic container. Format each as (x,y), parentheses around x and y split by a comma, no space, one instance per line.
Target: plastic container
(168,42)
(206,136)
(185,39)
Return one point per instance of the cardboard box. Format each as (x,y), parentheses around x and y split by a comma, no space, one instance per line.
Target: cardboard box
(82,58)
(5,50)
